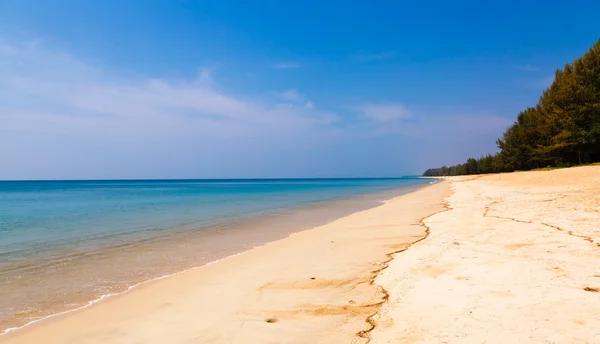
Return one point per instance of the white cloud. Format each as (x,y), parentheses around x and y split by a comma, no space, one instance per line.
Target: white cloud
(385,112)
(62,117)
(544,82)
(527,68)
(441,125)
(372,57)
(296,98)
(292,96)
(538,83)
(55,91)
(205,75)
(287,65)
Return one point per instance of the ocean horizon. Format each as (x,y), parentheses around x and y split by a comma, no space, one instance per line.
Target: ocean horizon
(67,243)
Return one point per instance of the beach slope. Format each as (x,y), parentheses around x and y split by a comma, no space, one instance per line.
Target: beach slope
(313,287)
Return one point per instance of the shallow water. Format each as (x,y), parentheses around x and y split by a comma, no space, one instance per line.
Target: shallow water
(66,243)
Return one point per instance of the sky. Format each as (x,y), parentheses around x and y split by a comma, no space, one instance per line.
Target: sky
(236,89)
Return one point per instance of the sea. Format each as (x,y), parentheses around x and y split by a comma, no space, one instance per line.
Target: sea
(65,245)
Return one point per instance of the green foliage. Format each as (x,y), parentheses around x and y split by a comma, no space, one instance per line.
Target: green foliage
(563,129)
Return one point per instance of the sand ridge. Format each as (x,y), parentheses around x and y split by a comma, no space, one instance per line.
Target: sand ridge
(386,295)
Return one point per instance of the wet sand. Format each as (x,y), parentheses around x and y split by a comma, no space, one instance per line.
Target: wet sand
(314,287)
(79,275)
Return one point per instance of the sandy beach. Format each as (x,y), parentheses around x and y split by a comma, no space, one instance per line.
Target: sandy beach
(513,260)
(314,287)
(508,258)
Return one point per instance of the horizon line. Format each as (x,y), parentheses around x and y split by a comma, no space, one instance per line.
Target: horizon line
(204,179)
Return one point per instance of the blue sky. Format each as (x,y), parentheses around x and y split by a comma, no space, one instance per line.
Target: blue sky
(190,89)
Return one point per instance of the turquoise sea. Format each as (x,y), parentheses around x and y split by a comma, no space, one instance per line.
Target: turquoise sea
(64,244)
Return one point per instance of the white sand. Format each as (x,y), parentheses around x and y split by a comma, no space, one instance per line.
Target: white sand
(514,260)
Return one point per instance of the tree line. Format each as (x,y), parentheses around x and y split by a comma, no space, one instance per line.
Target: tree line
(562,130)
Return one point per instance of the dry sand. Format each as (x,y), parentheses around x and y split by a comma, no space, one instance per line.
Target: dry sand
(509,258)
(515,259)
(313,287)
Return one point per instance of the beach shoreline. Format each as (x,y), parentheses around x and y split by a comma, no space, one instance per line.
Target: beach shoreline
(506,257)
(77,281)
(31,329)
